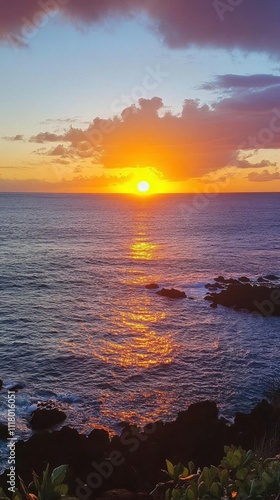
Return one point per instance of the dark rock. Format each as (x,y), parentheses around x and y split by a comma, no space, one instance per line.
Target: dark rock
(261,280)
(271,277)
(172,293)
(1,384)
(232,281)
(120,494)
(43,419)
(152,286)
(3,431)
(263,300)
(220,279)
(197,434)
(213,305)
(244,279)
(99,439)
(16,387)
(199,413)
(214,287)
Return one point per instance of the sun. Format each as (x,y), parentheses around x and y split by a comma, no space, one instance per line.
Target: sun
(143,187)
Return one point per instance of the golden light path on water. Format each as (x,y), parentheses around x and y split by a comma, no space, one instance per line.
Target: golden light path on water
(134,339)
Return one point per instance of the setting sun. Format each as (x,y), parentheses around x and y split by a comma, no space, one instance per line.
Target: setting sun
(143,187)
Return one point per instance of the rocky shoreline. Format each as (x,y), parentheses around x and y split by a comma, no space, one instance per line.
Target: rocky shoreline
(134,459)
(262,296)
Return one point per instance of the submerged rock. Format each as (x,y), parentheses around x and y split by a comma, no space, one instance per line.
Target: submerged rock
(271,277)
(172,293)
(43,418)
(152,286)
(16,387)
(244,279)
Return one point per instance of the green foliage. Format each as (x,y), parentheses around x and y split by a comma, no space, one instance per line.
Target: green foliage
(51,487)
(240,476)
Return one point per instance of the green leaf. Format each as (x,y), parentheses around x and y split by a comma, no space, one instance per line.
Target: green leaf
(249,458)
(17,495)
(61,489)
(176,495)
(241,474)
(267,478)
(190,494)
(191,467)
(184,473)
(167,495)
(2,494)
(216,489)
(170,468)
(58,475)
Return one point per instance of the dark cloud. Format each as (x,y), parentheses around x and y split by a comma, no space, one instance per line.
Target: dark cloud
(232,82)
(60,150)
(244,163)
(264,176)
(46,137)
(249,25)
(17,137)
(259,100)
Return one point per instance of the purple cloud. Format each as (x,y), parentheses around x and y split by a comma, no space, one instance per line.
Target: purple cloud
(249,25)
(264,176)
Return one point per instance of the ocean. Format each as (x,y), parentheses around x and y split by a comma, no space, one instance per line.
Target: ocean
(79,328)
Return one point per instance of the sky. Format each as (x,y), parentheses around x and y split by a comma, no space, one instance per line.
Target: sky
(97,96)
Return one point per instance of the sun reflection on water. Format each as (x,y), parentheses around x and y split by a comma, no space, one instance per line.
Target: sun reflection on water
(134,336)
(133,339)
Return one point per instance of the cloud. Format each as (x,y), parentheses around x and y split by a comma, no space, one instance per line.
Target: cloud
(232,82)
(50,121)
(199,140)
(17,137)
(244,163)
(249,25)
(259,100)
(78,184)
(264,176)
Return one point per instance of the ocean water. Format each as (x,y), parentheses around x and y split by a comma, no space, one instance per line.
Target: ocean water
(78,326)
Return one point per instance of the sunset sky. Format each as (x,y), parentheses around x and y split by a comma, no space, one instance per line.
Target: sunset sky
(97,96)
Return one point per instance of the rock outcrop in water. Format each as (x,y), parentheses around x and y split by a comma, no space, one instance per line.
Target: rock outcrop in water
(133,460)
(261,297)
(152,286)
(172,293)
(45,418)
